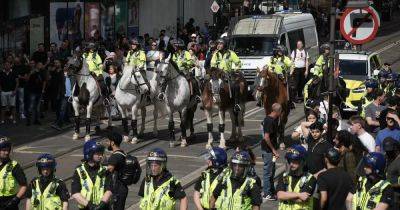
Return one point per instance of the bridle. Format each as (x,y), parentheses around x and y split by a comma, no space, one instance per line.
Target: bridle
(137,85)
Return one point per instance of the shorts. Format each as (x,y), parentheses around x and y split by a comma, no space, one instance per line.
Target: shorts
(7,99)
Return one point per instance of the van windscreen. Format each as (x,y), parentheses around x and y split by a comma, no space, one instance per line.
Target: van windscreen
(253,46)
(353,67)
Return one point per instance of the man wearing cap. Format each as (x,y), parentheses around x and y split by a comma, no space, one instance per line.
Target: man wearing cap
(95,66)
(137,58)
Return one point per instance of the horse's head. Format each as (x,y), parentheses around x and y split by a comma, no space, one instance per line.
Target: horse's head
(133,77)
(265,79)
(162,71)
(75,63)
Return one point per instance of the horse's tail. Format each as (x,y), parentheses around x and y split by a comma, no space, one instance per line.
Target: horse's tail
(84,95)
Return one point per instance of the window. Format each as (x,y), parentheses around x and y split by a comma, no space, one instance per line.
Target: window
(353,68)
(311,40)
(295,36)
(253,46)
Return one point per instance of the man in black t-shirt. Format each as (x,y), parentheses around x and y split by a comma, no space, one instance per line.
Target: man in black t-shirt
(116,163)
(8,90)
(334,183)
(40,55)
(35,88)
(269,150)
(22,71)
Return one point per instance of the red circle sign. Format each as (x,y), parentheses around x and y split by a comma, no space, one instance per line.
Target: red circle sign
(348,35)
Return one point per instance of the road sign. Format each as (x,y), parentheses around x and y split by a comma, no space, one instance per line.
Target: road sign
(359,26)
(215,7)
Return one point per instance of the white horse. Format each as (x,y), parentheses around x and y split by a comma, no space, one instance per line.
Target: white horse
(86,93)
(177,97)
(129,96)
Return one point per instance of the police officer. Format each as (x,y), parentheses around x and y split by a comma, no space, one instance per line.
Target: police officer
(214,174)
(90,185)
(382,78)
(227,61)
(373,192)
(296,186)
(12,176)
(160,189)
(95,63)
(322,61)
(371,85)
(391,81)
(136,57)
(237,191)
(47,191)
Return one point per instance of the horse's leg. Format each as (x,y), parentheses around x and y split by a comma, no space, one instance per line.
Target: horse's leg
(233,122)
(221,128)
(190,118)
(143,115)
(239,125)
(134,124)
(183,116)
(75,105)
(209,128)
(124,123)
(155,115)
(87,122)
(171,129)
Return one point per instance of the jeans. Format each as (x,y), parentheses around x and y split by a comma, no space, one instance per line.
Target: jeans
(62,111)
(21,100)
(269,173)
(34,106)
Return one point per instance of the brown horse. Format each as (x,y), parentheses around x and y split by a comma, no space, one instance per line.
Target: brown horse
(216,97)
(273,90)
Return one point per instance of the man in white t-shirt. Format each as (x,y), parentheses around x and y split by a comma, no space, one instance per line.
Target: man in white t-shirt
(357,127)
(300,59)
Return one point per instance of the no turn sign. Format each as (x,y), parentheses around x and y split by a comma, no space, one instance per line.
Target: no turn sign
(359,26)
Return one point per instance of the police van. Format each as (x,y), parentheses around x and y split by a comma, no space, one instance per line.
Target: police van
(254,38)
(355,67)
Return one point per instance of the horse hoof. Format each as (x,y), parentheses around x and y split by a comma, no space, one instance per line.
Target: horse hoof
(171,144)
(87,137)
(126,139)
(184,143)
(134,140)
(75,136)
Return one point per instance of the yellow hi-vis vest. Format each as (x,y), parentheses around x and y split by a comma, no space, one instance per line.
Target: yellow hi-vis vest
(319,66)
(227,62)
(279,65)
(94,62)
(136,59)
(158,199)
(208,187)
(8,184)
(183,60)
(367,200)
(365,102)
(92,191)
(47,200)
(229,200)
(291,205)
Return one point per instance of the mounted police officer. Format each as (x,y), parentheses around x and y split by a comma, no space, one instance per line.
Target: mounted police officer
(373,191)
(90,185)
(296,187)
(47,191)
(371,85)
(136,57)
(95,64)
(227,61)
(238,190)
(215,173)
(11,176)
(160,189)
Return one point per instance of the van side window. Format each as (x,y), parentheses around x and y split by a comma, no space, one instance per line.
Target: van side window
(295,36)
(311,37)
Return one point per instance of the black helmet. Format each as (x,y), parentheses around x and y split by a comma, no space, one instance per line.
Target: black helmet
(4,143)
(389,144)
(134,41)
(333,156)
(91,46)
(325,46)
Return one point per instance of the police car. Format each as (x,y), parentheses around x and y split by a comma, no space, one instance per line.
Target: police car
(355,67)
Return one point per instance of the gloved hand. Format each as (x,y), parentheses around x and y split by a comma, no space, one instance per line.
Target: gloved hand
(101,206)
(13,203)
(172,188)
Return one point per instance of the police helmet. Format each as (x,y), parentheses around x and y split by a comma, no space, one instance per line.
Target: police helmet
(371,83)
(296,152)
(211,42)
(389,144)
(376,161)
(91,46)
(134,41)
(383,74)
(333,156)
(221,41)
(392,76)
(159,157)
(218,157)
(240,159)
(325,46)
(4,143)
(90,148)
(46,161)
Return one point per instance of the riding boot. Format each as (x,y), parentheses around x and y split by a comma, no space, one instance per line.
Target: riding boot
(87,123)
(77,124)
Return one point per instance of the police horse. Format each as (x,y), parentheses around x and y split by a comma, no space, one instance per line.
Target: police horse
(177,98)
(86,94)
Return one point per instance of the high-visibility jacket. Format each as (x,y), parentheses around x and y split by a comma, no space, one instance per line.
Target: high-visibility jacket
(227,61)
(94,62)
(280,65)
(365,101)
(319,66)
(48,199)
(208,186)
(137,59)
(183,60)
(158,199)
(92,191)
(8,183)
(368,200)
(291,205)
(229,200)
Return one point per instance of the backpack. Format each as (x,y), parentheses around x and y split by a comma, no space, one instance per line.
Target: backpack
(130,173)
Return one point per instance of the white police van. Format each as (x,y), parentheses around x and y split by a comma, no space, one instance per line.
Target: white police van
(254,38)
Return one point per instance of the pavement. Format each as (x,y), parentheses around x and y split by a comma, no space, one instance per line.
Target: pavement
(185,163)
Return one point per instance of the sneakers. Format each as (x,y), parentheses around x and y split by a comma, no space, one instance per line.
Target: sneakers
(269,198)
